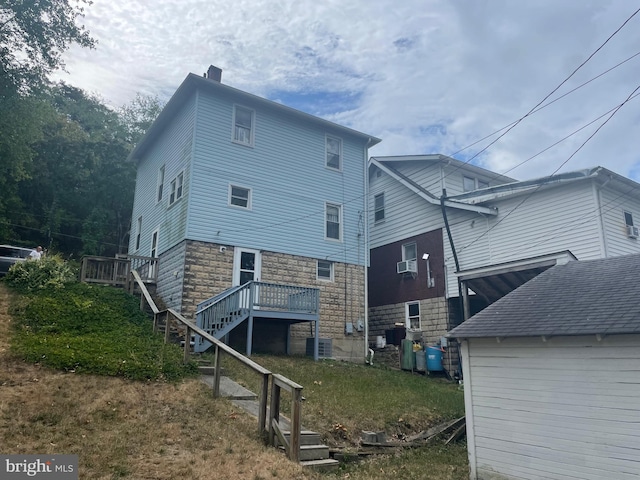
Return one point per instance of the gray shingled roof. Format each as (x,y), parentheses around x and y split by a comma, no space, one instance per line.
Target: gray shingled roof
(578,298)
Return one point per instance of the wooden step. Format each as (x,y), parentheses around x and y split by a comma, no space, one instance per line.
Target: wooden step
(307,437)
(321,465)
(314,452)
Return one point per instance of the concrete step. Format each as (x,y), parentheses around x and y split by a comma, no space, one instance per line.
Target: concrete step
(307,437)
(321,465)
(208,370)
(314,452)
(230,389)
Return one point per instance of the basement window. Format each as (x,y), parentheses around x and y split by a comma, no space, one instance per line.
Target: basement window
(324,270)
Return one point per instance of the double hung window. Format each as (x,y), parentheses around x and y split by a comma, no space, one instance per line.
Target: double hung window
(334,153)
(333,221)
(177,185)
(243,125)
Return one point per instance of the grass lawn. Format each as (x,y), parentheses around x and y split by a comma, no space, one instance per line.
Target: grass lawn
(342,399)
(93,380)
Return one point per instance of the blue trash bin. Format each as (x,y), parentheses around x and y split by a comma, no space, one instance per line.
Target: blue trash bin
(434,359)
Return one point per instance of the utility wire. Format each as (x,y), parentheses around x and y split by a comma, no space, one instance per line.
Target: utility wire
(555,89)
(631,95)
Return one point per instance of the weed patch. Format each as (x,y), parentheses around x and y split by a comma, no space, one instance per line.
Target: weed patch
(94,329)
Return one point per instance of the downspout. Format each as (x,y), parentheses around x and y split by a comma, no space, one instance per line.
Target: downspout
(453,248)
(455,258)
(366,248)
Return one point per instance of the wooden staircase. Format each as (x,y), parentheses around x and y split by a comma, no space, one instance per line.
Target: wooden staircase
(313,453)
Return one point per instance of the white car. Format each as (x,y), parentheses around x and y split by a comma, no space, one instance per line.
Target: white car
(10,255)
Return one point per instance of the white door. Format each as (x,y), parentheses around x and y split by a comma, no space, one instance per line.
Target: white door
(246,267)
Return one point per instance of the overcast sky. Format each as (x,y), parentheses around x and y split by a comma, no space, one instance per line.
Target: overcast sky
(425,76)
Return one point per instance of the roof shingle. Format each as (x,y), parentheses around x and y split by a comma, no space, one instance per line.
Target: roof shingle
(578,298)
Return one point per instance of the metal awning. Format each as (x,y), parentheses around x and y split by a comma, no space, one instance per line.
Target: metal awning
(493,282)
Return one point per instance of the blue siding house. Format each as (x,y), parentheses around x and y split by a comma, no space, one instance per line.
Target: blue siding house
(233,188)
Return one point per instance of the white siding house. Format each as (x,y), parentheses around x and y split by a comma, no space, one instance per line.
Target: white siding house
(501,234)
(552,376)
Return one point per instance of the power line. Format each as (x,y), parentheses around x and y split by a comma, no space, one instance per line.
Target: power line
(631,95)
(556,88)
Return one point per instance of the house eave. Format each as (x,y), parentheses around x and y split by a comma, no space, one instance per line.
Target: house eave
(428,196)
(194,82)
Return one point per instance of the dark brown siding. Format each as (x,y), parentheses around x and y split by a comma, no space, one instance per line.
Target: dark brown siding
(387,287)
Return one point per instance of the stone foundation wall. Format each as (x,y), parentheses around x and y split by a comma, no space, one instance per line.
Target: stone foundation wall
(434,319)
(341,301)
(208,271)
(434,323)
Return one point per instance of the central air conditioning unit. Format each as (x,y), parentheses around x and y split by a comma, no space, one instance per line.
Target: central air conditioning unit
(632,232)
(407,266)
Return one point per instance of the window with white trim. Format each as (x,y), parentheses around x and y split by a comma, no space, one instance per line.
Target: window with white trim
(409,251)
(177,185)
(160,187)
(324,270)
(471,183)
(412,315)
(378,207)
(628,219)
(154,243)
(243,125)
(333,221)
(138,233)
(333,153)
(240,197)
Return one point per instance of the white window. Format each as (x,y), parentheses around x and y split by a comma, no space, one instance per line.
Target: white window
(240,197)
(243,125)
(378,208)
(471,183)
(177,185)
(628,219)
(138,233)
(160,184)
(412,315)
(333,221)
(324,270)
(334,153)
(409,251)
(154,243)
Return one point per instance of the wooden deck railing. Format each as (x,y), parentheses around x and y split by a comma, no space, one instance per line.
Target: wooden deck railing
(292,446)
(116,270)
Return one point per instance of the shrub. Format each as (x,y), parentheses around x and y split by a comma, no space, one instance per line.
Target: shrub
(94,329)
(48,272)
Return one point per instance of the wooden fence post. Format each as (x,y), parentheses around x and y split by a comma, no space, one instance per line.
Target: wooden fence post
(216,378)
(274,411)
(262,413)
(294,439)
(167,324)
(187,345)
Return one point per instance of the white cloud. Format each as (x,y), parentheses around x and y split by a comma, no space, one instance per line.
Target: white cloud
(426,76)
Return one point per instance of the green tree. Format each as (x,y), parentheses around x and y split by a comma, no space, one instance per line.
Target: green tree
(33,36)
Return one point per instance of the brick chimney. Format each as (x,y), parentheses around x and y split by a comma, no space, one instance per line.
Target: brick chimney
(214,73)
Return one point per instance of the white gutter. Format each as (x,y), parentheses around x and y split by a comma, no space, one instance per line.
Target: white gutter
(430,198)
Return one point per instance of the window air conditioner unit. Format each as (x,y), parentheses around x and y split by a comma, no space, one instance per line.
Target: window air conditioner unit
(407,266)
(632,232)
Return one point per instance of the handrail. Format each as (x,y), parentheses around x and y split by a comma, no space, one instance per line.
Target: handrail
(292,446)
(216,298)
(226,348)
(145,293)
